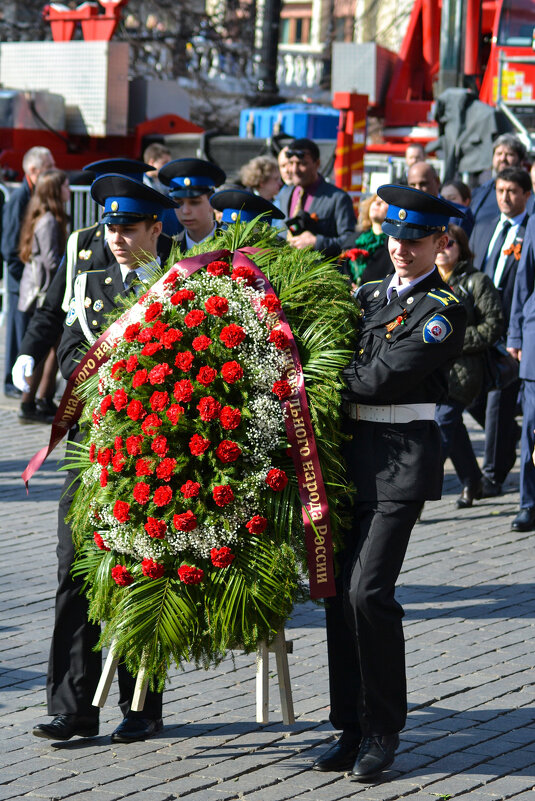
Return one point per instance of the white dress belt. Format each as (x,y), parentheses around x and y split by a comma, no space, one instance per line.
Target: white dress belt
(391,413)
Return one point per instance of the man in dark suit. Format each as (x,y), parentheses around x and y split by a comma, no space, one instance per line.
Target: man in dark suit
(521,345)
(324,213)
(496,243)
(133,218)
(508,151)
(412,327)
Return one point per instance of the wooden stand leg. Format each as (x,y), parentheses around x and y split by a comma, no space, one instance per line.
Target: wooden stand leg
(106,677)
(140,692)
(262,686)
(283,675)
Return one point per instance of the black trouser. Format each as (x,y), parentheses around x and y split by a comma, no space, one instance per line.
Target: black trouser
(74,667)
(364,632)
(495,413)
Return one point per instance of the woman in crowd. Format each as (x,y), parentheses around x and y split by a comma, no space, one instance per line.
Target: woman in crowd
(42,242)
(460,195)
(261,175)
(368,255)
(468,372)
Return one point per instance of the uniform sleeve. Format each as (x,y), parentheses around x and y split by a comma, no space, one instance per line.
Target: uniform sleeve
(388,374)
(489,317)
(71,348)
(344,216)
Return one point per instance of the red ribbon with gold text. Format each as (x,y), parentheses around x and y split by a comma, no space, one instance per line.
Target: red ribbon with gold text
(318,536)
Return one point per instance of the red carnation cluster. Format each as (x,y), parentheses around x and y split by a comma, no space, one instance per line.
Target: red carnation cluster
(92,452)
(131,331)
(171,336)
(159,373)
(190,575)
(216,305)
(183,390)
(186,521)
(282,389)
(208,408)
(121,511)
(99,542)
(278,338)
(139,378)
(201,343)
(104,456)
(230,418)
(156,528)
(134,444)
(151,348)
(141,493)
(223,495)
(165,470)
(198,445)
(227,451)
(257,524)
(122,576)
(218,268)
(152,569)
(231,372)
(170,279)
(243,273)
(163,495)
(174,413)
(105,404)
(160,445)
(190,489)
(183,294)
(153,311)
(158,401)
(131,363)
(144,467)
(118,369)
(184,360)
(194,318)
(151,424)
(206,375)
(135,410)
(271,303)
(232,335)
(276,479)
(221,557)
(118,462)
(103,479)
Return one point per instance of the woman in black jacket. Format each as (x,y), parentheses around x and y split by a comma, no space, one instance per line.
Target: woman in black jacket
(468,372)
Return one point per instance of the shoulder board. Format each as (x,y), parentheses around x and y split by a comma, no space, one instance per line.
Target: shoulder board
(87,228)
(369,283)
(91,272)
(444,296)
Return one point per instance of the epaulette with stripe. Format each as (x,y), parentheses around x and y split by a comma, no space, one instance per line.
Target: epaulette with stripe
(444,296)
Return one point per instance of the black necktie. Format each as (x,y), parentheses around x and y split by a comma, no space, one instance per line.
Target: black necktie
(492,261)
(131,276)
(393,295)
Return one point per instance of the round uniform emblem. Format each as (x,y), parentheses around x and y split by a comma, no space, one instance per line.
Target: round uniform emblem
(187,182)
(402,214)
(87,302)
(436,330)
(108,280)
(376,293)
(98,305)
(410,300)
(234,216)
(114,205)
(98,233)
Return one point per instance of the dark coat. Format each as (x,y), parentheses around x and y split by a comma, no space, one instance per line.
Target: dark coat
(401,462)
(12,216)
(479,245)
(484,204)
(484,326)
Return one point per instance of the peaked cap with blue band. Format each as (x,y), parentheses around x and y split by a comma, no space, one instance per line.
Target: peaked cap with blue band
(130,167)
(237,204)
(127,201)
(191,177)
(413,214)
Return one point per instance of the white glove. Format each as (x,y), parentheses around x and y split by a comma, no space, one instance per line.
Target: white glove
(22,370)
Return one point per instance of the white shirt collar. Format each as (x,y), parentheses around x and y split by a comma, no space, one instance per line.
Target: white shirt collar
(401,289)
(191,243)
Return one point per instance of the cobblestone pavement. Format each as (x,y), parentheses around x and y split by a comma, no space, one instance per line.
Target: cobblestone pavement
(467,588)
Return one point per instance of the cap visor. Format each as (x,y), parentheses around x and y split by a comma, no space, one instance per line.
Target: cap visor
(405,231)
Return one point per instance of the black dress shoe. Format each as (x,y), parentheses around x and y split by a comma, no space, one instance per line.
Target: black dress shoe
(131,729)
(489,488)
(340,756)
(375,755)
(525,520)
(10,391)
(470,493)
(30,413)
(63,727)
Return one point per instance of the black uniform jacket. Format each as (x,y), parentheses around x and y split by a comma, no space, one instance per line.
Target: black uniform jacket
(409,364)
(46,324)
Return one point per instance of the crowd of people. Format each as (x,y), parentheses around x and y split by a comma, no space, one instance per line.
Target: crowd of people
(446,280)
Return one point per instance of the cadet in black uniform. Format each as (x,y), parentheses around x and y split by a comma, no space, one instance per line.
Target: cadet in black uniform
(132,216)
(412,327)
(86,250)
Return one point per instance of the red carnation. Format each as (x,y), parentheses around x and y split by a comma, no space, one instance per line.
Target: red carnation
(120,399)
(131,363)
(190,575)
(99,542)
(131,331)
(158,329)
(232,335)
(256,524)
(95,417)
(190,489)
(163,495)
(174,412)
(152,569)
(159,373)
(153,311)
(230,418)
(160,445)
(121,511)
(282,389)
(221,557)
(150,349)
(151,424)
(243,272)
(103,477)
(198,444)
(218,268)
(105,404)
(118,462)
(227,451)
(271,303)
(170,279)
(104,456)
(201,343)
(140,378)
(183,294)
(118,443)
(185,521)
(183,390)
(145,335)
(155,528)
(135,410)
(184,360)
(216,305)
(194,318)
(134,444)
(208,408)
(231,372)
(122,576)
(279,338)
(144,467)
(141,492)
(164,470)
(276,479)
(158,401)
(118,368)
(223,495)
(92,452)
(171,336)
(206,375)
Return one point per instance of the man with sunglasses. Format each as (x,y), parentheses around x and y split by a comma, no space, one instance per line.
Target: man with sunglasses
(319,214)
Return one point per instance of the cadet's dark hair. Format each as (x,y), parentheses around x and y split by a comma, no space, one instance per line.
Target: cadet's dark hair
(516,175)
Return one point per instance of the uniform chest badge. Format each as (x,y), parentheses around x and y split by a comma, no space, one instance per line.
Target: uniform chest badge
(108,280)
(437,329)
(400,320)
(84,255)
(71,314)
(98,305)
